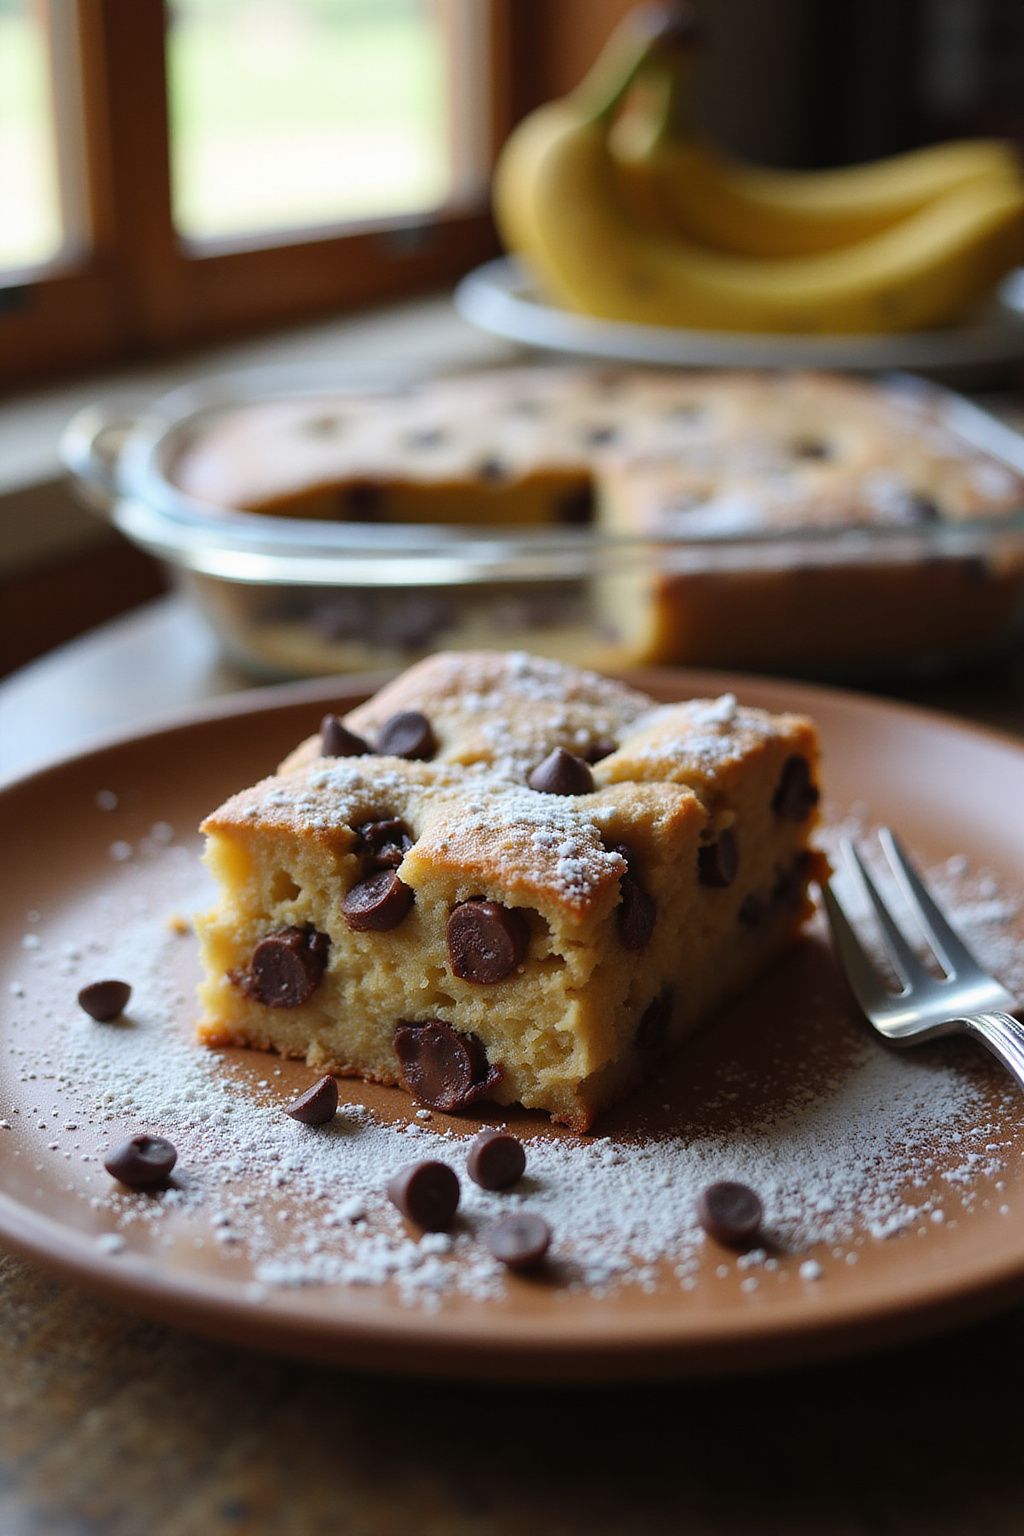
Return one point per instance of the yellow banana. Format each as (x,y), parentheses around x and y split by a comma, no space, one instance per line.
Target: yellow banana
(682,186)
(557,204)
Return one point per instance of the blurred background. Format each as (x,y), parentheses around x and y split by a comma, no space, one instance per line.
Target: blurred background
(180,174)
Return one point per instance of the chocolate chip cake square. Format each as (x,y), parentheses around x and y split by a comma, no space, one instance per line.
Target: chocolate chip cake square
(506,878)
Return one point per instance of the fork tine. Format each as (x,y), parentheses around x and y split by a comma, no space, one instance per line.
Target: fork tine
(856,962)
(947,943)
(911,969)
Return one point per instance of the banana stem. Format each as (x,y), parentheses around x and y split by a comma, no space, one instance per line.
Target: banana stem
(631,51)
(672,115)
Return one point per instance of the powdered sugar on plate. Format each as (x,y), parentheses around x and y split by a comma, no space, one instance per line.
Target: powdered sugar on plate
(867,1144)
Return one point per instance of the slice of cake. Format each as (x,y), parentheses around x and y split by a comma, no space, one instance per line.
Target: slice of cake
(505,878)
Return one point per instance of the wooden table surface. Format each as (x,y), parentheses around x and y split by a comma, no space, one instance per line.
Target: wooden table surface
(111,1425)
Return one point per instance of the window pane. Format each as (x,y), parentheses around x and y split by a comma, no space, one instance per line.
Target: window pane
(289,113)
(30,219)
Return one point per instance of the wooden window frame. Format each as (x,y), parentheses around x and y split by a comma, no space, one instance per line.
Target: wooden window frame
(139,289)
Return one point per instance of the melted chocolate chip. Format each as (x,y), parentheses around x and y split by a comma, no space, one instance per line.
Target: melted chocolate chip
(143,1162)
(287,967)
(811,448)
(731,1213)
(796,794)
(361,501)
(636,912)
(427,1193)
(442,1067)
(317,1105)
(751,910)
(493,471)
(486,941)
(377,904)
(105,1000)
(336,740)
(496,1159)
(385,842)
(718,862)
(407,734)
(652,1030)
(520,1241)
(576,507)
(562,773)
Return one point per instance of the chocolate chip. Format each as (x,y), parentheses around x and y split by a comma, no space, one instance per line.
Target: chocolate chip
(287,967)
(600,749)
(105,1000)
(424,437)
(441,1066)
(731,1213)
(411,622)
(407,734)
(718,862)
(636,912)
(336,740)
(427,1193)
(344,618)
(496,1159)
(789,886)
(520,1241)
(385,842)
(486,941)
(796,794)
(654,1022)
(492,471)
(362,500)
(811,448)
(142,1162)
(576,507)
(751,910)
(598,437)
(562,773)
(918,508)
(317,1105)
(377,904)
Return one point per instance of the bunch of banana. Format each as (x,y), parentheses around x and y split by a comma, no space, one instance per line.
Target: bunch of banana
(622,216)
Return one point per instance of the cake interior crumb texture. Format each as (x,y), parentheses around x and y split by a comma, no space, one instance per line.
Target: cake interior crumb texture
(436,920)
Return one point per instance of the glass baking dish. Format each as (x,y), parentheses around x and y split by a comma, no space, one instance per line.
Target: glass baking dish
(292,597)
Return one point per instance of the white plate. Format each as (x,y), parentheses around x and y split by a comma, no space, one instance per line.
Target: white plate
(500,298)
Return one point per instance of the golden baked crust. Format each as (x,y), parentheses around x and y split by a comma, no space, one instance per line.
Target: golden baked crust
(673,452)
(672,456)
(650,895)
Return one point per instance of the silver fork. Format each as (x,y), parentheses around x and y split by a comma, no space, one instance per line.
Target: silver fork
(966,1001)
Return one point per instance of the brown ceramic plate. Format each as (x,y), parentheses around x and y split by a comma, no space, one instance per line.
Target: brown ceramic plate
(947,787)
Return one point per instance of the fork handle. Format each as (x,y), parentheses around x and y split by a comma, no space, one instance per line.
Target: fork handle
(1003,1035)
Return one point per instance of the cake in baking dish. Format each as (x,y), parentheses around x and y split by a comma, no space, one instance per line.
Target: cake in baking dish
(675,458)
(503,878)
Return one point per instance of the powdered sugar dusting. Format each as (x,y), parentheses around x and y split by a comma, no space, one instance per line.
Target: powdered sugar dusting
(866,1145)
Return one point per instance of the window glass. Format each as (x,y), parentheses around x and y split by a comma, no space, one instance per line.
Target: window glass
(30,212)
(297,113)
